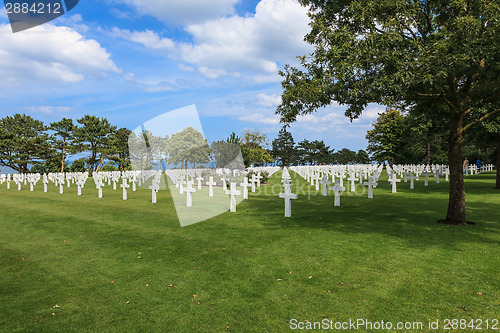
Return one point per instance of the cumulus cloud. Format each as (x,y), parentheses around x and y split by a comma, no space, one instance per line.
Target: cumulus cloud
(254,46)
(50,54)
(268,100)
(260,119)
(257,43)
(147,38)
(182,12)
(48,109)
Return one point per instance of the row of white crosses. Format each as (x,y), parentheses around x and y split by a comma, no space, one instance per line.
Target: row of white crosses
(185,181)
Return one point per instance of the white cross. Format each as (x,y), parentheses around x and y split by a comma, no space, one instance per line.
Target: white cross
(210,185)
(411,177)
(189,189)
(352,178)
(426,175)
(253,181)
(61,185)
(371,183)
(394,180)
(259,177)
(233,193)
(245,186)
(224,185)
(288,195)
(337,188)
(437,173)
(99,184)
(124,186)
(154,187)
(45,181)
(199,179)
(325,184)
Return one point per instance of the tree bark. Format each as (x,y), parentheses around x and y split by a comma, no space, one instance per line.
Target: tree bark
(428,153)
(62,161)
(456,202)
(498,162)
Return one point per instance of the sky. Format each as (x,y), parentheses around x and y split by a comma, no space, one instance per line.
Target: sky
(133,60)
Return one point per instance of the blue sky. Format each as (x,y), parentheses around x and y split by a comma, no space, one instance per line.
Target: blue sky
(133,60)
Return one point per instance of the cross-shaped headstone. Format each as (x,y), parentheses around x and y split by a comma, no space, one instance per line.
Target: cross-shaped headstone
(426,175)
(245,186)
(211,185)
(199,179)
(154,188)
(394,180)
(124,186)
(352,178)
(288,196)
(189,189)
(233,193)
(337,188)
(99,184)
(371,183)
(411,177)
(325,184)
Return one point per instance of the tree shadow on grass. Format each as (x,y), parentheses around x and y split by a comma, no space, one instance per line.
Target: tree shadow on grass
(409,215)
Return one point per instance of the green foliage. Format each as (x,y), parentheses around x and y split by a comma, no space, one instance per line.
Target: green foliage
(253,148)
(385,140)
(119,150)
(313,152)
(62,138)
(362,157)
(188,147)
(78,165)
(345,156)
(226,154)
(94,136)
(284,150)
(109,167)
(23,142)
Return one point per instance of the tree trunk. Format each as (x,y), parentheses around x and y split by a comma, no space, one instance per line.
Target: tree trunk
(498,162)
(428,153)
(62,161)
(487,159)
(456,202)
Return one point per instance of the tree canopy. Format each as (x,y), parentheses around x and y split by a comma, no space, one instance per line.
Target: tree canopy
(399,53)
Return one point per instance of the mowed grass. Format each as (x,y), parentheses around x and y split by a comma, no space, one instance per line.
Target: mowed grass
(70,263)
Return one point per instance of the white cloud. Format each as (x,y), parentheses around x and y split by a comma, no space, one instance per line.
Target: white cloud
(48,109)
(257,43)
(251,47)
(73,21)
(268,100)
(182,11)
(3,13)
(49,54)
(148,38)
(261,119)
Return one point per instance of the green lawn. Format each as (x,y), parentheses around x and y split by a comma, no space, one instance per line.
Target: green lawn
(71,263)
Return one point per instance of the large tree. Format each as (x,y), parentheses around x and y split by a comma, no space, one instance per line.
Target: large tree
(62,137)
(188,146)
(284,148)
(94,136)
(402,51)
(23,142)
